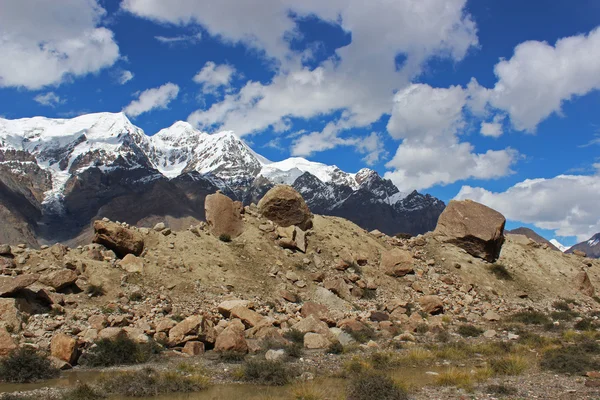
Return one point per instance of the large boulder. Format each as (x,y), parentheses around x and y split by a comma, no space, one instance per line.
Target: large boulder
(397,262)
(64,348)
(223,215)
(132,264)
(286,207)
(186,329)
(10,317)
(7,344)
(477,229)
(10,286)
(431,304)
(59,279)
(231,339)
(584,285)
(119,239)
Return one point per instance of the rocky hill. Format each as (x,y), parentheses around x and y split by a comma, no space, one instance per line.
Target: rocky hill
(590,247)
(249,275)
(57,175)
(533,235)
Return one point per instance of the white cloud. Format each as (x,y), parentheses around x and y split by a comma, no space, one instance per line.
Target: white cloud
(45,42)
(181,39)
(360,82)
(494,128)
(213,76)
(538,78)
(125,77)
(49,99)
(428,121)
(567,204)
(151,99)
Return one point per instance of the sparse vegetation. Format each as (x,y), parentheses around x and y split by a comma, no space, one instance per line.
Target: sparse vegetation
(335,348)
(585,324)
(95,290)
(501,272)
(455,377)
(502,390)
(149,382)
(382,361)
(232,357)
(119,351)
(469,331)
(294,350)
(569,360)
(224,237)
(370,385)
(422,328)
(266,372)
(26,365)
(362,335)
(294,336)
(509,365)
(530,318)
(83,392)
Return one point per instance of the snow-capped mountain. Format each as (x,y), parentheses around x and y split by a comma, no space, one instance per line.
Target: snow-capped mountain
(559,245)
(82,166)
(590,247)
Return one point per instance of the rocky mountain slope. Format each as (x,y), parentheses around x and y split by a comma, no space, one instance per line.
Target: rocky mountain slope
(56,175)
(590,247)
(533,235)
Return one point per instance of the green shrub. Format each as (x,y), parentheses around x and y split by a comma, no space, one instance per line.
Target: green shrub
(381,361)
(148,382)
(232,357)
(443,336)
(335,348)
(569,360)
(368,386)
(94,290)
(223,237)
(26,365)
(466,330)
(83,392)
(584,324)
(530,318)
(509,365)
(119,351)
(294,336)
(563,315)
(294,350)
(362,335)
(422,328)
(501,272)
(369,294)
(561,305)
(265,372)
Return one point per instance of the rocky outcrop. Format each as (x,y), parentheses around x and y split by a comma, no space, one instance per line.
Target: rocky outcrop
(7,344)
(477,229)
(10,286)
(223,215)
(119,239)
(231,340)
(286,207)
(59,279)
(64,348)
(584,285)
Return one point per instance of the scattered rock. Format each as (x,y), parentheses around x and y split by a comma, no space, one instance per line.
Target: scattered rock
(275,355)
(9,286)
(248,317)
(132,264)
(315,341)
(5,250)
(584,285)
(492,316)
(431,304)
(59,279)
(7,344)
(286,207)
(160,227)
(231,339)
(228,305)
(477,229)
(187,327)
(193,348)
(397,262)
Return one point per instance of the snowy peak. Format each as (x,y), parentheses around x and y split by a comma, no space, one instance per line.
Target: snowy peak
(559,245)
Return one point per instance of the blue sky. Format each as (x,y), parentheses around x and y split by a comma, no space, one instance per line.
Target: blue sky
(494,100)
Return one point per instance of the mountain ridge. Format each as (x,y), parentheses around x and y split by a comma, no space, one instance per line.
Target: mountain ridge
(54,162)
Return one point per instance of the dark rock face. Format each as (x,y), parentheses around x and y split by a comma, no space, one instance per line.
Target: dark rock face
(477,229)
(590,247)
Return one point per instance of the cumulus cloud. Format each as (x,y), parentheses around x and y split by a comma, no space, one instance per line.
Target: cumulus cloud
(428,121)
(125,77)
(350,81)
(49,99)
(539,78)
(151,99)
(494,128)
(566,204)
(44,42)
(213,76)
(181,39)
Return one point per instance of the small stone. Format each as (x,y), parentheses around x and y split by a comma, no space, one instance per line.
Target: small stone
(275,355)
(489,333)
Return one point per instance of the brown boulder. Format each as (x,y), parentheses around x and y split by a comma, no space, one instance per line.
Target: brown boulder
(477,229)
(292,238)
(7,344)
(397,262)
(584,285)
(431,304)
(119,239)
(231,339)
(248,317)
(314,341)
(223,215)
(311,324)
(9,286)
(187,327)
(320,311)
(286,207)
(132,264)
(7,263)
(193,348)
(338,286)
(59,279)
(10,317)
(64,348)
(5,250)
